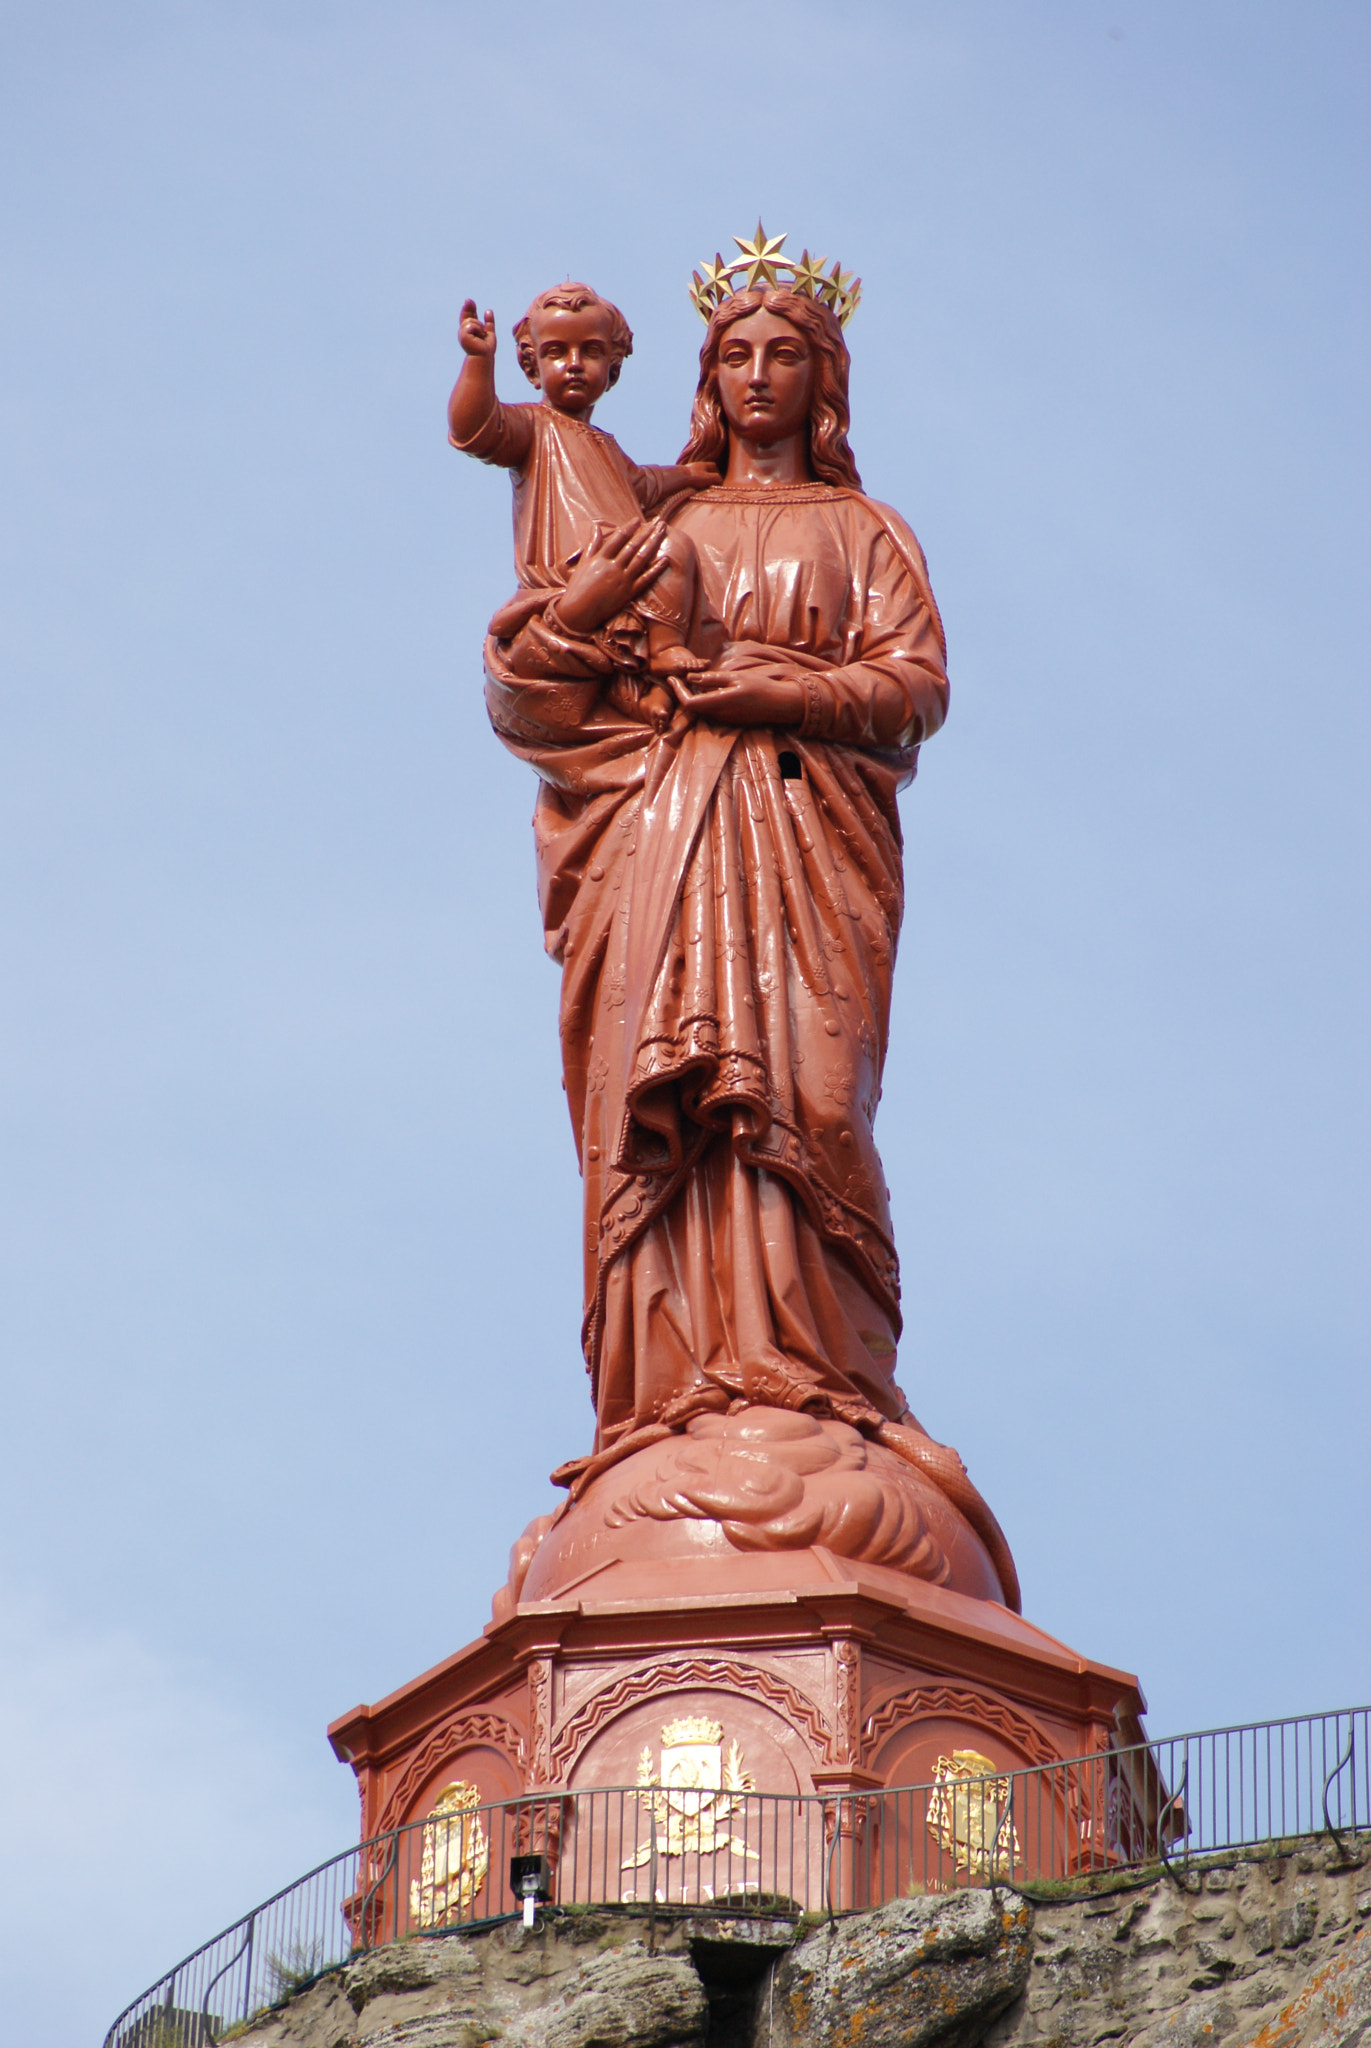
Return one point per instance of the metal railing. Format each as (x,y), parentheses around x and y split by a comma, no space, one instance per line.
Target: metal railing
(727,1850)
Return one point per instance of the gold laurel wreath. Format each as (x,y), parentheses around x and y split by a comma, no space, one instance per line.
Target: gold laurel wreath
(761,263)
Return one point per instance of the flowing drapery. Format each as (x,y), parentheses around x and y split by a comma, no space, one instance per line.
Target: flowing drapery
(725,905)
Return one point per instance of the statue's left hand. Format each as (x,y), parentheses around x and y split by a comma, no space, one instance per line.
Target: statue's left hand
(750,691)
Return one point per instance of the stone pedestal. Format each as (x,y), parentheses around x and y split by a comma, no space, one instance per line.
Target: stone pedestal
(803,1609)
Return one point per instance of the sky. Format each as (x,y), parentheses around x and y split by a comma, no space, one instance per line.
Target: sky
(289,1287)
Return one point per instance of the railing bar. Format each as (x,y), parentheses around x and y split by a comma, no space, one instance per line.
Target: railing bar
(604,1845)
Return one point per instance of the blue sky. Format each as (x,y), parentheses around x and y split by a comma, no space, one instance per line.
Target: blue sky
(290,1275)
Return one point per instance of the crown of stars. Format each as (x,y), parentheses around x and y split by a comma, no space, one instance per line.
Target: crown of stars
(762,263)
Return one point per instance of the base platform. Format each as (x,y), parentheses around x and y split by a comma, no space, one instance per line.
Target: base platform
(766,1602)
(828,1675)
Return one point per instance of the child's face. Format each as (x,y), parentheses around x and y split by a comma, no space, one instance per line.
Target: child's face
(575,361)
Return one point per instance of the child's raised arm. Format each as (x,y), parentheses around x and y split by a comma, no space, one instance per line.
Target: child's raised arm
(476,421)
(473,395)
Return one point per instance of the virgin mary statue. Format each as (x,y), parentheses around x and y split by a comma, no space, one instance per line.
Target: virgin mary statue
(724,898)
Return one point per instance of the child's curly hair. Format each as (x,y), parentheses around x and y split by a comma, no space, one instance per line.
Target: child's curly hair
(571,298)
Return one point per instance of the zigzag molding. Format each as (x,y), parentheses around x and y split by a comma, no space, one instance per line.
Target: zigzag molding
(657,1680)
(448,1737)
(916,1702)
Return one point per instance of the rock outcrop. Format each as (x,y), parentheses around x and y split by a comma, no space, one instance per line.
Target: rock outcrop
(913,1973)
(1271,1949)
(1265,1950)
(581,1980)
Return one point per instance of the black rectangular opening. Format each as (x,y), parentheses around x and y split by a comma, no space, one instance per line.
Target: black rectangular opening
(789,765)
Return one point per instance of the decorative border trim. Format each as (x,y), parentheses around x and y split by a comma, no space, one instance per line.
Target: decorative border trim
(492,1729)
(845,1740)
(921,1700)
(653,1680)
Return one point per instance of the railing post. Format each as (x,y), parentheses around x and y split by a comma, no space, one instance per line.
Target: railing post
(834,1821)
(1339,1767)
(247,1970)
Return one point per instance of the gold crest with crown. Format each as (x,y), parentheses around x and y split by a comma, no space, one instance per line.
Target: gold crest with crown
(695,1789)
(762,263)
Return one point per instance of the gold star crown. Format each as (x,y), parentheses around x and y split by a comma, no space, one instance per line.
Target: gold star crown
(761,263)
(694,1728)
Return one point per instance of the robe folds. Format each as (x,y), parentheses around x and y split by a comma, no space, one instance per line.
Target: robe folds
(725,904)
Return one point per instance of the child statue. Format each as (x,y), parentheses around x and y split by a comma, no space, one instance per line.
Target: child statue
(573,485)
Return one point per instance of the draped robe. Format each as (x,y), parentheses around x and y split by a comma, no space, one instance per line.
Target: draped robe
(725,905)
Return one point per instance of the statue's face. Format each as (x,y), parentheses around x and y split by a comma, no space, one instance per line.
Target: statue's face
(575,357)
(766,377)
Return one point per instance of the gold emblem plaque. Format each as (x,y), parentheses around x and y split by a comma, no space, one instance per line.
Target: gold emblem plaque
(969,1813)
(454,1859)
(695,1788)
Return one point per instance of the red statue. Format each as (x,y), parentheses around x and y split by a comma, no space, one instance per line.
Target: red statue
(767,1572)
(720,875)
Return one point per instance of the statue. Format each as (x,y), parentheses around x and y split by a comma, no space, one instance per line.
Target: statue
(765,1572)
(720,868)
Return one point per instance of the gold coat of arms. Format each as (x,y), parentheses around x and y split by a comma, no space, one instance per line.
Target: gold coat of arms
(970,1815)
(695,1792)
(454,1858)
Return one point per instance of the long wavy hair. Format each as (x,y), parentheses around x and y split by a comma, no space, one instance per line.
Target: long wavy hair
(829,455)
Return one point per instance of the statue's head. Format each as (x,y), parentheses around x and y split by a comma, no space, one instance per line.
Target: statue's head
(809,375)
(572,344)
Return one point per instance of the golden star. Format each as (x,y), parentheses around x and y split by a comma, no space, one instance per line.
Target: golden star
(715,277)
(852,298)
(809,275)
(709,285)
(759,258)
(843,292)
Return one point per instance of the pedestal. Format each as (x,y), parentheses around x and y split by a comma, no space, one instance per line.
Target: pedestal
(780,1592)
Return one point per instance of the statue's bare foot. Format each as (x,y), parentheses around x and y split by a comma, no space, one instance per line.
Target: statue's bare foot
(676,661)
(658,706)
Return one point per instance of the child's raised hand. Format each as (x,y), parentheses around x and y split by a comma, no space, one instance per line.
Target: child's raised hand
(476,336)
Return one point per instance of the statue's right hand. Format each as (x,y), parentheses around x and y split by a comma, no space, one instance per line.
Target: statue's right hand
(477,336)
(616,567)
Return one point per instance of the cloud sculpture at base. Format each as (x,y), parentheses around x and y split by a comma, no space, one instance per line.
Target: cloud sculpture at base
(778,1480)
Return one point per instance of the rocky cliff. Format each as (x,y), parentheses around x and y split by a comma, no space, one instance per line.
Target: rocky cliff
(1266,1950)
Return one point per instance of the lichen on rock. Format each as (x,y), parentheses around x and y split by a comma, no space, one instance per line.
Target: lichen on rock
(911,1974)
